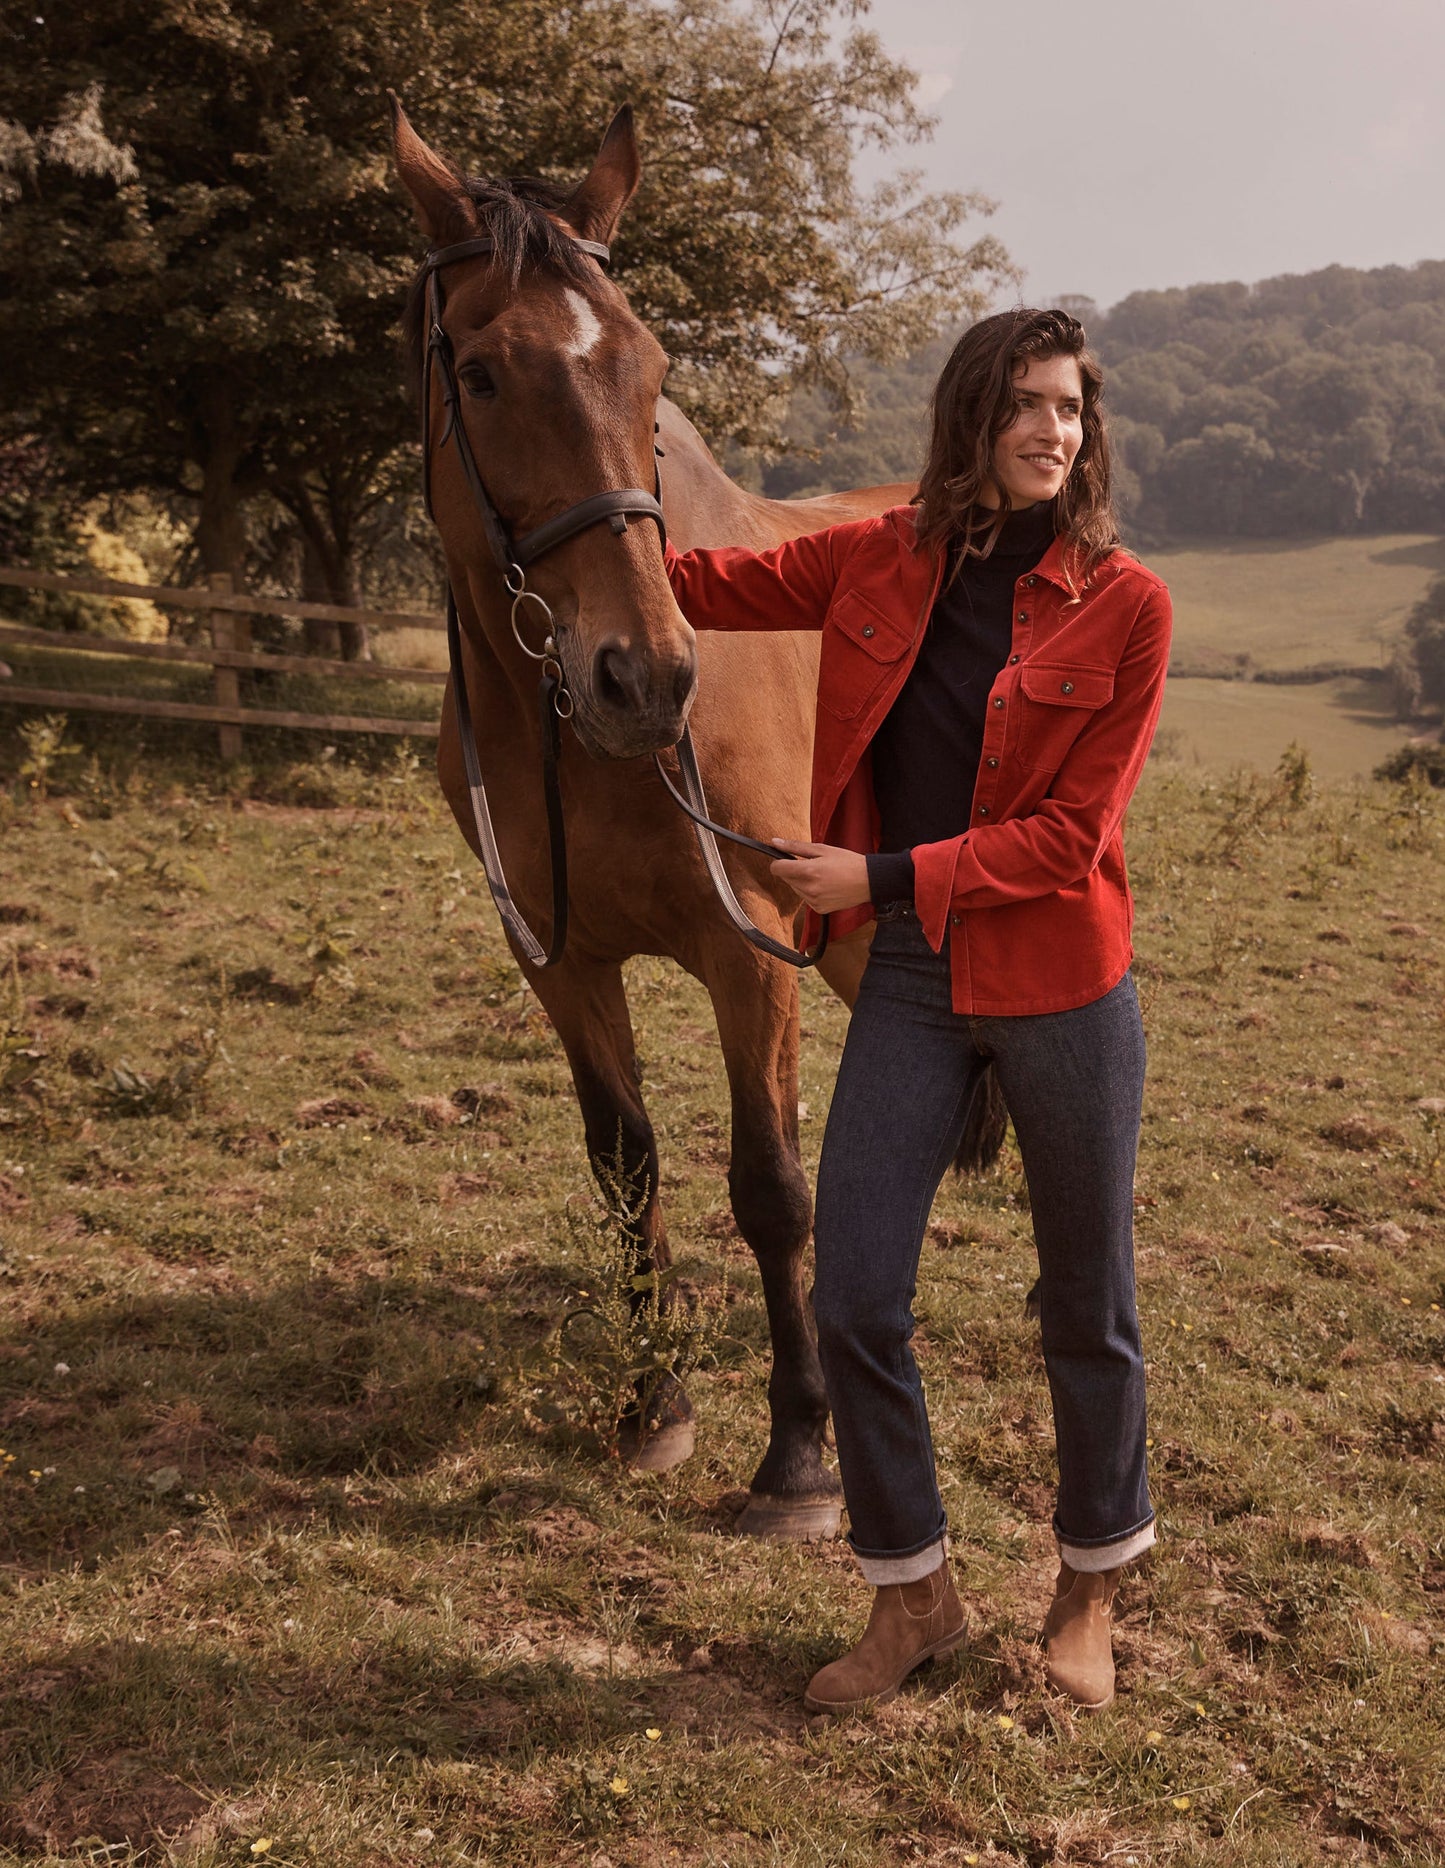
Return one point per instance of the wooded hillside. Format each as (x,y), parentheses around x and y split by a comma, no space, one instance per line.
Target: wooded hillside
(1302,405)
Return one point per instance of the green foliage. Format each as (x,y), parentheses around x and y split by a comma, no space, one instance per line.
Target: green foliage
(209,186)
(172,1092)
(1425,633)
(1304,404)
(45,746)
(1300,405)
(1418,762)
(628,1332)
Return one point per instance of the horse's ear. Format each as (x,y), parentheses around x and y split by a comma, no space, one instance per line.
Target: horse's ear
(434,185)
(595,207)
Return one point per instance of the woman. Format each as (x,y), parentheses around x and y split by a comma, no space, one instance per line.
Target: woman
(991,674)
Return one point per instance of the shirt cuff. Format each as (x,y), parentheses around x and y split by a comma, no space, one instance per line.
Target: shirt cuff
(890,876)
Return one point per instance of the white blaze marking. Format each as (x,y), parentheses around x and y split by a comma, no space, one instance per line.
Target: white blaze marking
(589,327)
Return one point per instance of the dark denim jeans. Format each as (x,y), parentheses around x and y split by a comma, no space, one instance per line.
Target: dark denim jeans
(1074,1083)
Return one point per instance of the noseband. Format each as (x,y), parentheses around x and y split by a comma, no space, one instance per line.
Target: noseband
(512,557)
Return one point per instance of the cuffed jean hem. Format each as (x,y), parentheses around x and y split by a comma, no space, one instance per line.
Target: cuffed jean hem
(1092,1558)
(881,1571)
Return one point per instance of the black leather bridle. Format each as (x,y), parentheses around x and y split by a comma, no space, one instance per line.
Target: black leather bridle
(513,556)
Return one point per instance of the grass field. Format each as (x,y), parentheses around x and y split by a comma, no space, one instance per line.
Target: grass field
(1241,606)
(305,1560)
(1289,604)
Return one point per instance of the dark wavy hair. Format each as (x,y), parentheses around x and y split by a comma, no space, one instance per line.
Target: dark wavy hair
(973,402)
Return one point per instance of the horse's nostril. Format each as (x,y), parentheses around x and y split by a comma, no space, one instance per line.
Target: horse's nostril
(617,684)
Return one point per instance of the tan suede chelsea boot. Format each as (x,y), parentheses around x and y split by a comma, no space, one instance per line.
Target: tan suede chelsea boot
(909,1624)
(1078,1635)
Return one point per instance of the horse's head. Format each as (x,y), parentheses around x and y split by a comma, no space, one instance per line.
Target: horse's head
(558,389)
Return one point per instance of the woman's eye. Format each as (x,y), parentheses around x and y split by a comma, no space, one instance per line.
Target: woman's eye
(477,381)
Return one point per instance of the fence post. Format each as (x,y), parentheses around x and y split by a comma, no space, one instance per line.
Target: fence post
(227,686)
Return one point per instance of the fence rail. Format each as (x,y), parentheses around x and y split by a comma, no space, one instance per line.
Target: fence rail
(228,653)
(182,598)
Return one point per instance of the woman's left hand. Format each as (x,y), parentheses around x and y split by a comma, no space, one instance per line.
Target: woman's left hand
(824,877)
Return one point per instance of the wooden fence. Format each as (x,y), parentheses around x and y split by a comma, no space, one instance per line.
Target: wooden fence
(228,652)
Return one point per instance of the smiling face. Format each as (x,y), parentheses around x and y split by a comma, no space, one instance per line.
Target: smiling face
(1034,454)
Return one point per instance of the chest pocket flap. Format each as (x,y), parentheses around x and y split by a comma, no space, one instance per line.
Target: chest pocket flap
(1061,686)
(878,634)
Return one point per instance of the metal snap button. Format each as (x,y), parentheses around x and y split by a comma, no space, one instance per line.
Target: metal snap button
(999,701)
(983,810)
(1068,687)
(1023,616)
(1031,581)
(867,629)
(956,919)
(993,762)
(1011,660)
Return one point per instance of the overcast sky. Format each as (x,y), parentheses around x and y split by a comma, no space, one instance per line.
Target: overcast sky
(1132,144)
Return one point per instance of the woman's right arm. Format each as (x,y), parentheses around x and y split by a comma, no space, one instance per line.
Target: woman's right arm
(788,587)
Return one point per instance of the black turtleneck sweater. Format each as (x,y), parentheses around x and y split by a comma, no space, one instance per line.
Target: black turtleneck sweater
(926,753)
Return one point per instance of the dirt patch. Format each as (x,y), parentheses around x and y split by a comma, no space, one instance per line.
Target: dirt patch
(321,1111)
(119,1797)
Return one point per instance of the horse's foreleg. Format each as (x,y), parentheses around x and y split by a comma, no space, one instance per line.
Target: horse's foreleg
(586,1004)
(756,1001)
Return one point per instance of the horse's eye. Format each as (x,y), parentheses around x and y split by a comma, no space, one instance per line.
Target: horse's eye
(477,380)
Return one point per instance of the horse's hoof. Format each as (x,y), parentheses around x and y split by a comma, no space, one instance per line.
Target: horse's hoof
(812,1519)
(667,1446)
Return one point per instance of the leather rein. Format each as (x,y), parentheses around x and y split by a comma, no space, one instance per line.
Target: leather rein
(512,557)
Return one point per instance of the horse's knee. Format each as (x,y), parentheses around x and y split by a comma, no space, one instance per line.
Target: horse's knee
(770,1200)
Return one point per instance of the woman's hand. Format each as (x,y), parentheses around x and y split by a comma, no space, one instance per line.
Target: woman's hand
(824,877)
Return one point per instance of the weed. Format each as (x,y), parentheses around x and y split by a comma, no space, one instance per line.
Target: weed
(45,746)
(1253,807)
(172,1092)
(627,1332)
(327,946)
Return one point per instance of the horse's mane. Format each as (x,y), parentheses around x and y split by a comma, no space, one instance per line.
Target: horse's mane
(516,214)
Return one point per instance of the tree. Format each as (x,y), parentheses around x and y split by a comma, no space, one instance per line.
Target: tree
(207,306)
(1425,633)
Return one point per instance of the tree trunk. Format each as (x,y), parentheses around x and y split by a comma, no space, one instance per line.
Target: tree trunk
(221,525)
(328,575)
(323,639)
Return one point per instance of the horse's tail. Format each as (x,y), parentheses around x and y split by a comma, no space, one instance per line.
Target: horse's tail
(984,1127)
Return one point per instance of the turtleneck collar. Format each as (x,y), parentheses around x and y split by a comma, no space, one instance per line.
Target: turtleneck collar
(1027,530)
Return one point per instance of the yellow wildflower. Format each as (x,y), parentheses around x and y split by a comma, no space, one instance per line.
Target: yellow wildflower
(1154,1738)
(1005,1723)
(653,1733)
(618,1786)
(1199,1708)
(262,1845)
(1180,1803)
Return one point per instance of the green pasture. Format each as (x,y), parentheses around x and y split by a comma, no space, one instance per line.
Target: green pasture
(307,1554)
(1245,608)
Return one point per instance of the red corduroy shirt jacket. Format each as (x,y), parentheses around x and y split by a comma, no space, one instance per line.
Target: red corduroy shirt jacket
(1033,897)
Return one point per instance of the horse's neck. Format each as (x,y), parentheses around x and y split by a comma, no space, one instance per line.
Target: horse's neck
(705,508)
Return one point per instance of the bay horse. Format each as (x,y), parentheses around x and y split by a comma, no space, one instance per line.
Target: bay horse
(558,385)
